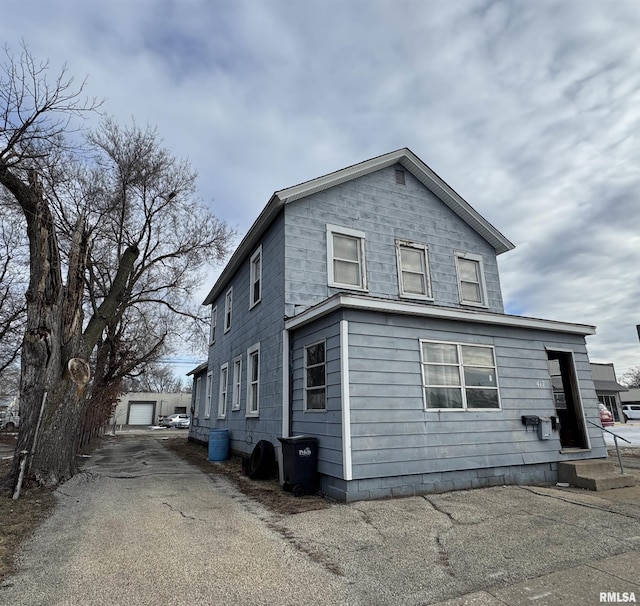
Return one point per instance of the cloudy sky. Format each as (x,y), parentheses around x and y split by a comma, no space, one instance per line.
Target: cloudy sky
(529,110)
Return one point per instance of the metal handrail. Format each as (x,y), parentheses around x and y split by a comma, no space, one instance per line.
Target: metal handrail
(615,440)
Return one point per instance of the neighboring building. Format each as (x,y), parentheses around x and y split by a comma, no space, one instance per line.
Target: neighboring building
(608,390)
(364,308)
(631,396)
(144,408)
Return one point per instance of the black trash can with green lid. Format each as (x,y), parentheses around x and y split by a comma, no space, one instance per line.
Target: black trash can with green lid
(300,464)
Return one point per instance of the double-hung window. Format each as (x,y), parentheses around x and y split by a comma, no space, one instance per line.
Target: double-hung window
(459,376)
(228,309)
(207,404)
(196,397)
(315,377)
(345,258)
(212,327)
(224,387)
(255,286)
(253,380)
(237,383)
(471,284)
(413,270)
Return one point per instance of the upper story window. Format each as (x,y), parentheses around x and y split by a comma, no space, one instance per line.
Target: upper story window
(212,327)
(471,285)
(315,377)
(228,309)
(413,270)
(253,380)
(459,376)
(345,258)
(255,286)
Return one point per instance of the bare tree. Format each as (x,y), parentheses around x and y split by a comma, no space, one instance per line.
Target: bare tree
(81,221)
(151,197)
(14,265)
(631,378)
(156,378)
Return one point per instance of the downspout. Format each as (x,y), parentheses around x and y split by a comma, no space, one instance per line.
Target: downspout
(286,385)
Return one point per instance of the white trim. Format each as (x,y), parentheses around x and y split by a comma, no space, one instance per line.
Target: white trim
(228,309)
(208,397)
(213,325)
(349,233)
(347,467)
(285,383)
(428,296)
(250,351)
(223,391)
(462,385)
(252,278)
(445,313)
(467,256)
(237,383)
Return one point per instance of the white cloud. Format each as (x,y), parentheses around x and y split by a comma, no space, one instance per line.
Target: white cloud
(529,110)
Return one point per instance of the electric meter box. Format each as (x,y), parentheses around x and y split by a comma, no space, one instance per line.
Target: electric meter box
(544,428)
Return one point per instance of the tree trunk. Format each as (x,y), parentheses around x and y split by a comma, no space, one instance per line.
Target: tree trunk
(51,410)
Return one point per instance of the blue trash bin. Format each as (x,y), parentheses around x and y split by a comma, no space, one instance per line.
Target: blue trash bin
(218,444)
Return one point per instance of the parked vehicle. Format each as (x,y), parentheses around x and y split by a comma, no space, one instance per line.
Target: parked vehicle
(182,424)
(631,411)
(172,419)
(606,418)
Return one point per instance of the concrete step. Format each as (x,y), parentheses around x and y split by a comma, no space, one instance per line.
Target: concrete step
(594,474)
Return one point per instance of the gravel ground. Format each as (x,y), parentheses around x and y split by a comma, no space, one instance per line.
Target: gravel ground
(141,526)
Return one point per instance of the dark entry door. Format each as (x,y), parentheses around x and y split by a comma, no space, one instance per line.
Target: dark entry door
(567,399)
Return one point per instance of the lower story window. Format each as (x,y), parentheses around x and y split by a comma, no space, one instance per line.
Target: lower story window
(253,381)
(315,377)
(459,376)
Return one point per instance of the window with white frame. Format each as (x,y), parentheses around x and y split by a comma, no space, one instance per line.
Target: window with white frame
(459,376)
(253,380)
(315,377)
(471,284)
(212,326)
(223,390)
(345,258)
(255,286)
(228,309)
(237,383)
(207,404)
(413,270)
(196,398)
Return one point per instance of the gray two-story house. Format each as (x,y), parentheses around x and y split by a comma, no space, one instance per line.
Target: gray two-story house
(364,308)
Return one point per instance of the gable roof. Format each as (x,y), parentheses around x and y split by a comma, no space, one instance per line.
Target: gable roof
(403,156)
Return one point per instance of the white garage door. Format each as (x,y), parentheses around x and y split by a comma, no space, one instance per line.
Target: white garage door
(141,413)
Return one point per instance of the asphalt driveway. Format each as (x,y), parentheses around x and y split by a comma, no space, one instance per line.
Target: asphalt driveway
(141,526)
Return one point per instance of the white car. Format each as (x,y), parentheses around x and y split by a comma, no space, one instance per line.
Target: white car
(173,420)
(631,411)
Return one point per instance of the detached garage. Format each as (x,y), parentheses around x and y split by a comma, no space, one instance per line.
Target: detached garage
(141,413)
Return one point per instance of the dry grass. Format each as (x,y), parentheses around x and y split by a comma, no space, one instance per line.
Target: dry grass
(267,492)
(19,518)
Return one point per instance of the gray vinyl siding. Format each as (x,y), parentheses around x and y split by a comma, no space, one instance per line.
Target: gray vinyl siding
(327,425)
(386,212)
(393,435)
(261,324)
